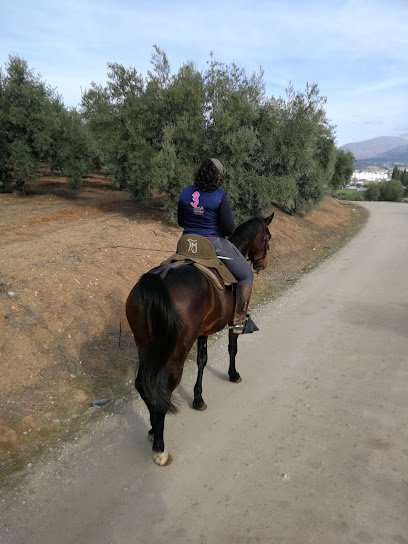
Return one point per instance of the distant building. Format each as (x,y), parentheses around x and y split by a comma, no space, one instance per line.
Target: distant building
(369,177)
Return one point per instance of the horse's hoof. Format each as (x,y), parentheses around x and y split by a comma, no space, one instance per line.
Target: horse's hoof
(150,437)
(200,407)
(237,379)
(162,458)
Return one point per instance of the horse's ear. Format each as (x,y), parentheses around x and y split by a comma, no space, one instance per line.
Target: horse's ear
(269,219)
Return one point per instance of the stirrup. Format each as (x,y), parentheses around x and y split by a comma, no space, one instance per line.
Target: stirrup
(247,327)
(238,328)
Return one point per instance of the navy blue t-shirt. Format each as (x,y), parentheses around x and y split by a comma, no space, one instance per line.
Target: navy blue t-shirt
(205,213)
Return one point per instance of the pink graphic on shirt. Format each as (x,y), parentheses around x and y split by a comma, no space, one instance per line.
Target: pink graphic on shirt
(196,199)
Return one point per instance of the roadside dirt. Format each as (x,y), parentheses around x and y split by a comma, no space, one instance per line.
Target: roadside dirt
(67,263)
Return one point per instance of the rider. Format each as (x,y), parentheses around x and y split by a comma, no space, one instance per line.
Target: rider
(204,209)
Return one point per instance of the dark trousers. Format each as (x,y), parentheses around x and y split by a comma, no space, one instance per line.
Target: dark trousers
(234,261)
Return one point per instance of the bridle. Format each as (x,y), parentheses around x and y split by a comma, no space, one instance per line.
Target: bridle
(258,264)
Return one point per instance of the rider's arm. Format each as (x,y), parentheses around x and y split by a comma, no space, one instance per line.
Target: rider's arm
(225,219)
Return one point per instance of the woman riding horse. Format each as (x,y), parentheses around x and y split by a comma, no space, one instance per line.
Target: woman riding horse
(204,209)
(168,314)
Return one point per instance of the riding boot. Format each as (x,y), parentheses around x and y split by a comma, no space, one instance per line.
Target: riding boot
(242,296)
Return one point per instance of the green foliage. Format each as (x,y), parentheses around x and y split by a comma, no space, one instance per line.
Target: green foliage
(284,192)
(170,173)
(232,113)
(151,132)
(404,177)
(326,157)
(21,159)
(36,128)
(71,151)
(298,145)
(373,192)
(396,174)
(391,191)
(349,194)
(23,103)
(401,175)
(343,169)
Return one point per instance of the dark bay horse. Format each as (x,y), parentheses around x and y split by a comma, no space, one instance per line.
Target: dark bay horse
(168,315)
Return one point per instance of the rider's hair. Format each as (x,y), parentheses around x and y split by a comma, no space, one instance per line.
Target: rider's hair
(209,176)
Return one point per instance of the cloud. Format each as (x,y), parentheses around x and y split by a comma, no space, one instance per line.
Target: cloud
(355,50)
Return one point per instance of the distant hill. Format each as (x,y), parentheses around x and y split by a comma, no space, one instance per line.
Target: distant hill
(370,149)
(396,154)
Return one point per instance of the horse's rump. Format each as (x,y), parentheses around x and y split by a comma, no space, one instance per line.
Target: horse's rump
(155,323)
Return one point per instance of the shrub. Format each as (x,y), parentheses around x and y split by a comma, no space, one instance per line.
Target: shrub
(391,191)
(373,192)
(348,194)
(36,129)
(283,192)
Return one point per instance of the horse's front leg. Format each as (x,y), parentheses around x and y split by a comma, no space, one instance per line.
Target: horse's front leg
(233,350)
(198,402)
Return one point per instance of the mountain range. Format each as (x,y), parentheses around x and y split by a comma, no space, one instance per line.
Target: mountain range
(384,151)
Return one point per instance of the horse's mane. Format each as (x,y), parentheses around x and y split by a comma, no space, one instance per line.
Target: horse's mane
(246,232)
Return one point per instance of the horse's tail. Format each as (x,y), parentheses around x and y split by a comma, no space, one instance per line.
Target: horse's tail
(163,323)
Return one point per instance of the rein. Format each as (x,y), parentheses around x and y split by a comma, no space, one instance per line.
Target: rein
(258,263)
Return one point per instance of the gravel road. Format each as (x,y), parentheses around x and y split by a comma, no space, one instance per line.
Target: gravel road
(312,446)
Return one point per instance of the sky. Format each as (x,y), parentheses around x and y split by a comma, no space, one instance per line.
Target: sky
(355,50)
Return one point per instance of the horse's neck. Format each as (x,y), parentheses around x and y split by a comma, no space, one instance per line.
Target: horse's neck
(244,248)
(243,245)
(243,240)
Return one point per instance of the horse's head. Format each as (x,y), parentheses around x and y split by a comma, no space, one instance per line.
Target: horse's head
(252,239)
(258,251)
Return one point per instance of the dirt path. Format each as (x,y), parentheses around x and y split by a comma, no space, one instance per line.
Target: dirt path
(67,265)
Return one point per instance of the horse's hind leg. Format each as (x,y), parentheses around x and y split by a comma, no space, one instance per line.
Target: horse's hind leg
(155,434)
(233,350)
(150,434)
(160,455)
(198,402)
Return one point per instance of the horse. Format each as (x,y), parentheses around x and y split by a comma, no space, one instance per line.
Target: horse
(167,315)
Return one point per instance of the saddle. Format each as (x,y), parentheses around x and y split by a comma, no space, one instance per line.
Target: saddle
(199,252)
